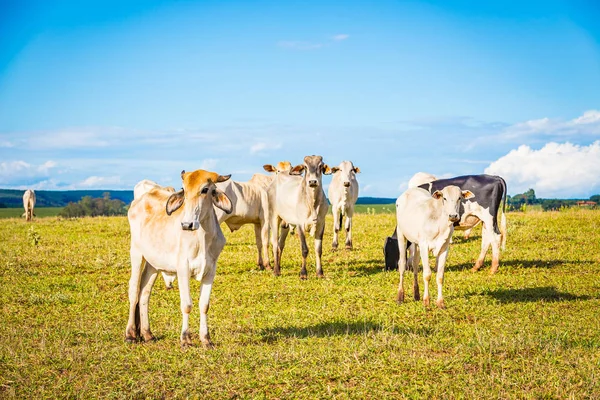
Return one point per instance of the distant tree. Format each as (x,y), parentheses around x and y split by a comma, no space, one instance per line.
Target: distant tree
(72,210)
(595,198)
(91,207)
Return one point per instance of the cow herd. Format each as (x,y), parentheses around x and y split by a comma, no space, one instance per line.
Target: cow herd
(178,233)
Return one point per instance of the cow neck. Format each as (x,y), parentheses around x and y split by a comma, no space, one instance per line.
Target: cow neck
(313,197)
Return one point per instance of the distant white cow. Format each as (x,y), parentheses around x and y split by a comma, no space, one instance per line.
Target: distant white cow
(427,221)
(420,178)
(177,233)
(300,201)
(29,204)
(343,193)
(265,180)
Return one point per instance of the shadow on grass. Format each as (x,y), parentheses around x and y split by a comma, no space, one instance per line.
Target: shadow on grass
(517,263)
(527,295)
(339,328)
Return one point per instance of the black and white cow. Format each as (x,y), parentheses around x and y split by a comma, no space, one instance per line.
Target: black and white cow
(490,193)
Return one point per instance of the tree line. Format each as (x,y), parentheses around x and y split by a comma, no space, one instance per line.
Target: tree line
(93,207)
(519,202)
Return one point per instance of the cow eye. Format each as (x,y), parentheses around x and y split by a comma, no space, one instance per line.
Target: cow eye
(204,190)
(214,192)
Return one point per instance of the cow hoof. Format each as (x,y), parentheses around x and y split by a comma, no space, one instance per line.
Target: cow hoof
(276,272)
(148,337)
(208,344)
(130,339)
(303,276)
(320,276)
(400,298)
(348,247)
(426,301)
(417,297)
(440,304)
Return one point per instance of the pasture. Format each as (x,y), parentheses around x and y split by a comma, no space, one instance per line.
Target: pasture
(40,212)
(530,331)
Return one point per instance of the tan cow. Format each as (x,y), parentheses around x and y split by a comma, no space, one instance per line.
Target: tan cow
(265,180)
(427,221)
(144,186)
(29,204)
(299,200)
(343,193)
(177,233)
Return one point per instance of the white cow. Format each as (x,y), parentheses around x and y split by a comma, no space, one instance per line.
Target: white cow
(299,200)
(427,221)
(145,185)
(177,233)
(420,178)
(265,180)
(29,204)
(343,193)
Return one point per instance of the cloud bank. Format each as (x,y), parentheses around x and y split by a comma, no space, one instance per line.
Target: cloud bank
(557,170)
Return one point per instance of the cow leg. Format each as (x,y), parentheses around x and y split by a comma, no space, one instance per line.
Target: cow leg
(275,220)
(319,248)
(424,250)
(440,262)
(137,265)
(485,244)
(258,236)
(148,277)
(349,230)
(337,223)
(401,266)
(204,303)
(186,305)
(301,235)
(264,239)
(496,241)
(414,258)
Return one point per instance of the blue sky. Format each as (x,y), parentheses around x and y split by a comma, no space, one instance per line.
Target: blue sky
(102,94)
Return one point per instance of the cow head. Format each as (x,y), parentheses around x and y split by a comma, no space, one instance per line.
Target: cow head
(197,198)
(451,196)
(314,168)
(346,172)
(282,166)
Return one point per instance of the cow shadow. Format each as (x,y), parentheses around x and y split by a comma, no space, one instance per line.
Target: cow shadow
(524,264)
(529,295)
(338,328)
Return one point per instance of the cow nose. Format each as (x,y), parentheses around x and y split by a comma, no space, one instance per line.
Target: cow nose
(190,226)
(453,217)
(313,183)
(347,184)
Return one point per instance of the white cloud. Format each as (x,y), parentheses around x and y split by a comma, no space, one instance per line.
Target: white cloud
(209,164)
(587,124)
(561,170)
(100,182)
(261,146)
(6,144)
(15,172)
(339,37)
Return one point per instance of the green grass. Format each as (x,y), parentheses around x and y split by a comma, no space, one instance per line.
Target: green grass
(530,331)
(40,212)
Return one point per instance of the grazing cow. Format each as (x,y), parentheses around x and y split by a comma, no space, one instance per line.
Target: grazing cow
(490,192)
(29,204)
(178,233)
(343,192)
(420,178)
(427,221)
(299,200)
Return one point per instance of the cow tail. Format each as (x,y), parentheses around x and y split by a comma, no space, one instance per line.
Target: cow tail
(503,230)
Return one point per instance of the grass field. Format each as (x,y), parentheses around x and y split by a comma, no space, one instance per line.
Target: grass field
(40,212)
(530,331)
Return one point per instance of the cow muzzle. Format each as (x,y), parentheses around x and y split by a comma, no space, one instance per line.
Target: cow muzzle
(453,217)
(313,183)
(190,226)
(346,184)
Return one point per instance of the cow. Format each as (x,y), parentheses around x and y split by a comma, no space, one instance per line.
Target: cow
(177,233)
(145,185)
(265,180)
(420,178)
(300,201)
(29,204)
(343,193)
(490,193)
(427,221)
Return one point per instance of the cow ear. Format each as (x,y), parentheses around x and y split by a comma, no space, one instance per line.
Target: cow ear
(356,170)
(223,178)
(269,168)
(297,170)
(221,201)
(327,170)
(334,170)
(174,202)
(467,194)
(182,174)
(437,194)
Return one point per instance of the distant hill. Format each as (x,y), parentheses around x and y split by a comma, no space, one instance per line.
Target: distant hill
(53,198)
